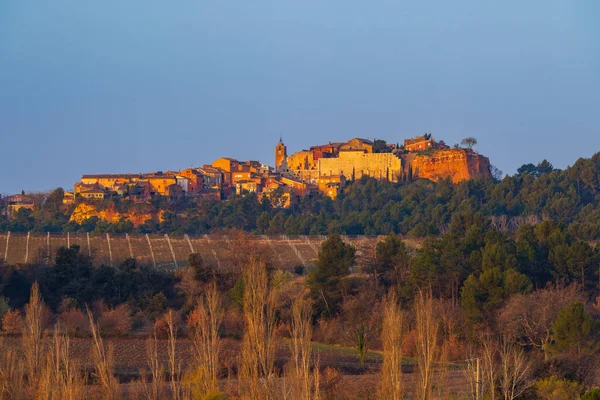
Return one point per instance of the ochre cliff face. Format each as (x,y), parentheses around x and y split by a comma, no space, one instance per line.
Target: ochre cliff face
(84,211)
(457,164)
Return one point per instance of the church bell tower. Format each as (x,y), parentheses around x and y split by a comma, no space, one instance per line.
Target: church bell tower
(280,155)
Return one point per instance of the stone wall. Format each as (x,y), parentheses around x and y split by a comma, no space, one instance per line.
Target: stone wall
(376,165)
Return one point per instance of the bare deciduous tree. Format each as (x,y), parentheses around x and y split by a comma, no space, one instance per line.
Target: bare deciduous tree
(154,389)
(174,366)
(302,382)
(488,365)
(33,332)
(391,338)
(259,342)
(426,330)
(60,377)
(528,319)
(471,373)
(103,362)
(11,373)
(514,371)
(205,336)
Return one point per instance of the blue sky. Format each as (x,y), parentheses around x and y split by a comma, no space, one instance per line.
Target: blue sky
(133,86)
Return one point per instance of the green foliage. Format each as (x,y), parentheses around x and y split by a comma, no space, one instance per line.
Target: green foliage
(4,307)
(280,279)
(325,281)
(557,389)
(237,292)
(202,272)
(573,329)
(469,142)
(392,258)
(592,394)
(380,146)
(366,207)
(360,342)
(483,295)
(543,167)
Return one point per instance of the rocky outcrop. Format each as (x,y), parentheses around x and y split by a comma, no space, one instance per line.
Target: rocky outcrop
(84,211)
(456,164)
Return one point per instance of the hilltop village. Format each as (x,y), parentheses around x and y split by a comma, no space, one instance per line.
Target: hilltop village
(323,168)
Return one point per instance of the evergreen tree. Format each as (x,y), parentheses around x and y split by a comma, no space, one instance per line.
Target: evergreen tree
(392,258)
(325,282)
(483,295)
(573,329)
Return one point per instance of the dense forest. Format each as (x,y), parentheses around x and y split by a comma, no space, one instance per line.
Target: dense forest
(365,207)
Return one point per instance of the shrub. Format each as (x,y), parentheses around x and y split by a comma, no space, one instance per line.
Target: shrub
(74,322)
(330,331)
(593,394)
(140,321)
(193,320)
(193,383)
(202,272)
(12,322)
(233,324)
(115,321)
(409,343)
(162,325)
(557,389)
(4,307)
(330,384)
(299,270)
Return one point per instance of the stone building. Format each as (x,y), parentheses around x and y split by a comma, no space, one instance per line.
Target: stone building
(425,142)
(141,185)
(331,185)
(304,165)
(18,201)
(280,155)
(358,144)
(356,164)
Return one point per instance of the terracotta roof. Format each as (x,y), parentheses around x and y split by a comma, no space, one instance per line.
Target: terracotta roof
(366,141)
(113,176)
(330,144)
(91,190)
(19,199)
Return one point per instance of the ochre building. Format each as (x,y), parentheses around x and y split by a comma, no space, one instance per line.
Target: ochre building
(356,164)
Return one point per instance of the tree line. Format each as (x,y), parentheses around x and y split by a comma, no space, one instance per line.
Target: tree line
(365,207)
